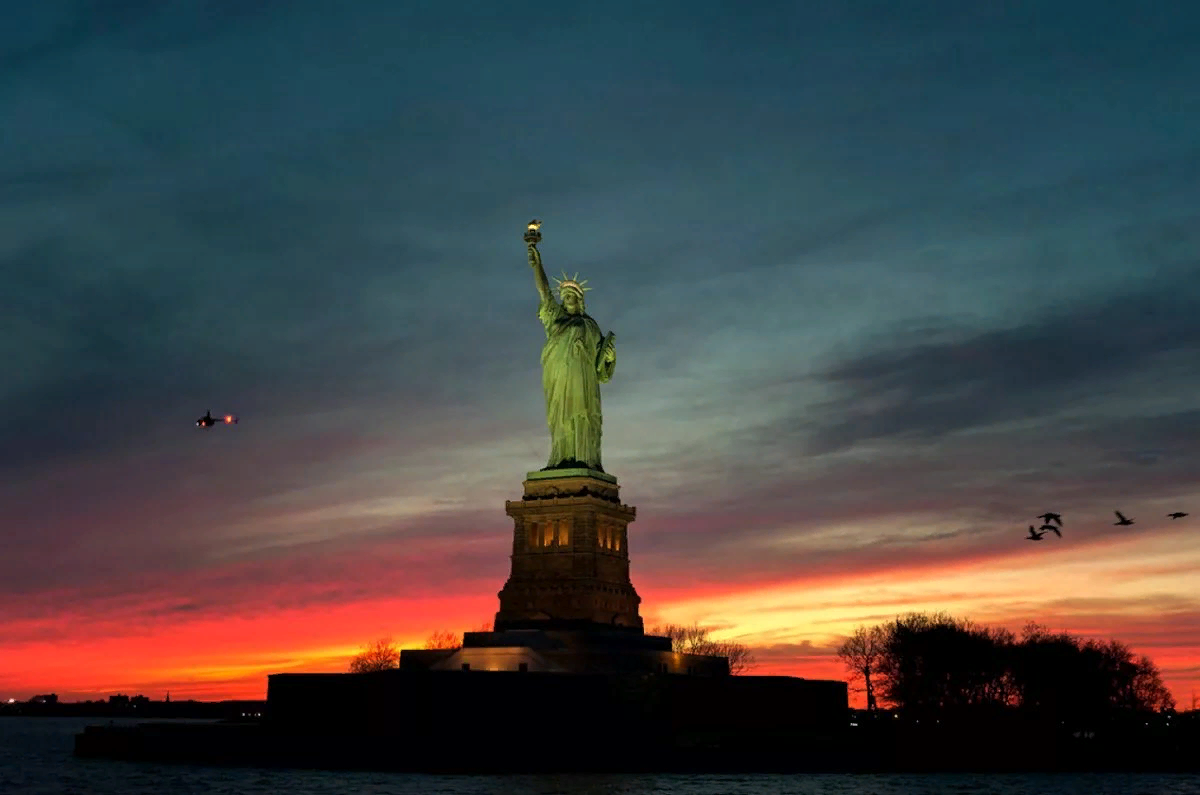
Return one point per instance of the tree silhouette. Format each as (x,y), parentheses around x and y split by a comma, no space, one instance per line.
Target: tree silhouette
(378,656)
(442,639)
(1084,681)
(940,667)
(861,653)
(696,639)
(1149,691)
(741,659)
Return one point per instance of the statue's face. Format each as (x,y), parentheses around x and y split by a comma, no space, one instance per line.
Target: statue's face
(571,302)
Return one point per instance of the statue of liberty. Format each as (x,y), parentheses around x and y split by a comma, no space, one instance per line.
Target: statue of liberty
(576,360)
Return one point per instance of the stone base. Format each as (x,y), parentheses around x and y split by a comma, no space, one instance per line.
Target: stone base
(585,651)
(574,472)
(538,717)
(570,562)
(560,483)
(453,722)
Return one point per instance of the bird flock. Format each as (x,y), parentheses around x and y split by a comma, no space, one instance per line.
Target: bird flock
(1052,523)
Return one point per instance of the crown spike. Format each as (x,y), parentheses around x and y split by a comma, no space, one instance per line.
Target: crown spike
(572,283)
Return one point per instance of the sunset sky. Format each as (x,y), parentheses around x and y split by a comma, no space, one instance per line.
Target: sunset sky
(888,280)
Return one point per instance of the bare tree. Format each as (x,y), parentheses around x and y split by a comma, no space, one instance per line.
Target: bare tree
(740,657)
(1149,691)
(696,639)
(378,656)
(443,640)
(683,639)
(861,653)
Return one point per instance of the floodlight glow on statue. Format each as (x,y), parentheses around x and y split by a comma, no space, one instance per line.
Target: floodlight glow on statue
(576,360)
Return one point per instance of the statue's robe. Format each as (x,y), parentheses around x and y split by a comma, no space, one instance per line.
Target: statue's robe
(573,368)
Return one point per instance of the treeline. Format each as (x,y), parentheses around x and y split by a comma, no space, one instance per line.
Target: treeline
(695,639)
(940,668)
(383,654)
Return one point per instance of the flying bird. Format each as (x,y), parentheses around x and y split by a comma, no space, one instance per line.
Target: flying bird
(1034,535)
(1051,528)
(208,420)
(1121,520)
(1177,515)
(1052,517)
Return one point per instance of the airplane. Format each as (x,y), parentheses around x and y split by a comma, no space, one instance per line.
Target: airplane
(1177,515)
(1051,517)
(1121,519)
(208,420)
(1034,535)
(1051,528)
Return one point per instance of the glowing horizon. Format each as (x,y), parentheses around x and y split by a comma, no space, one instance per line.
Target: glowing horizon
(793,627)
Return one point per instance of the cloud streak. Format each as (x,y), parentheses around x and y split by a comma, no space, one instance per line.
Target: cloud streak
(1055,362)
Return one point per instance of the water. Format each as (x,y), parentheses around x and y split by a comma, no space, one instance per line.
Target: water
(35,759)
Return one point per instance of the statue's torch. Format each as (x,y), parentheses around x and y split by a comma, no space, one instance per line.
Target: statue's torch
(533,231)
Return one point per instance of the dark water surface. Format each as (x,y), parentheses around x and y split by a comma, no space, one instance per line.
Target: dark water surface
(35,759)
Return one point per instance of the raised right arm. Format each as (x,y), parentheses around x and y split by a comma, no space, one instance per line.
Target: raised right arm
(539,274)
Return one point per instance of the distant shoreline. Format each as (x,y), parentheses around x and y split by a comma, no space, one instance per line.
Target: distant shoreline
(151,710)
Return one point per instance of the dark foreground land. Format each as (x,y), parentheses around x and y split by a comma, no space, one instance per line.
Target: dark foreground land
(528,723)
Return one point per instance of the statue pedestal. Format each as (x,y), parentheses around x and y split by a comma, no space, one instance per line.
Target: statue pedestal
(570,555)
(568,606)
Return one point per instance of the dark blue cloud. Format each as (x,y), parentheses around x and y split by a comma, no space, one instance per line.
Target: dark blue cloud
(1037,370)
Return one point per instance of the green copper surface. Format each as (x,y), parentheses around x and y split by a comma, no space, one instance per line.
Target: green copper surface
(576,359)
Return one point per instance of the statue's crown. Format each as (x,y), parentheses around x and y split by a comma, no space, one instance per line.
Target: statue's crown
(575,284)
